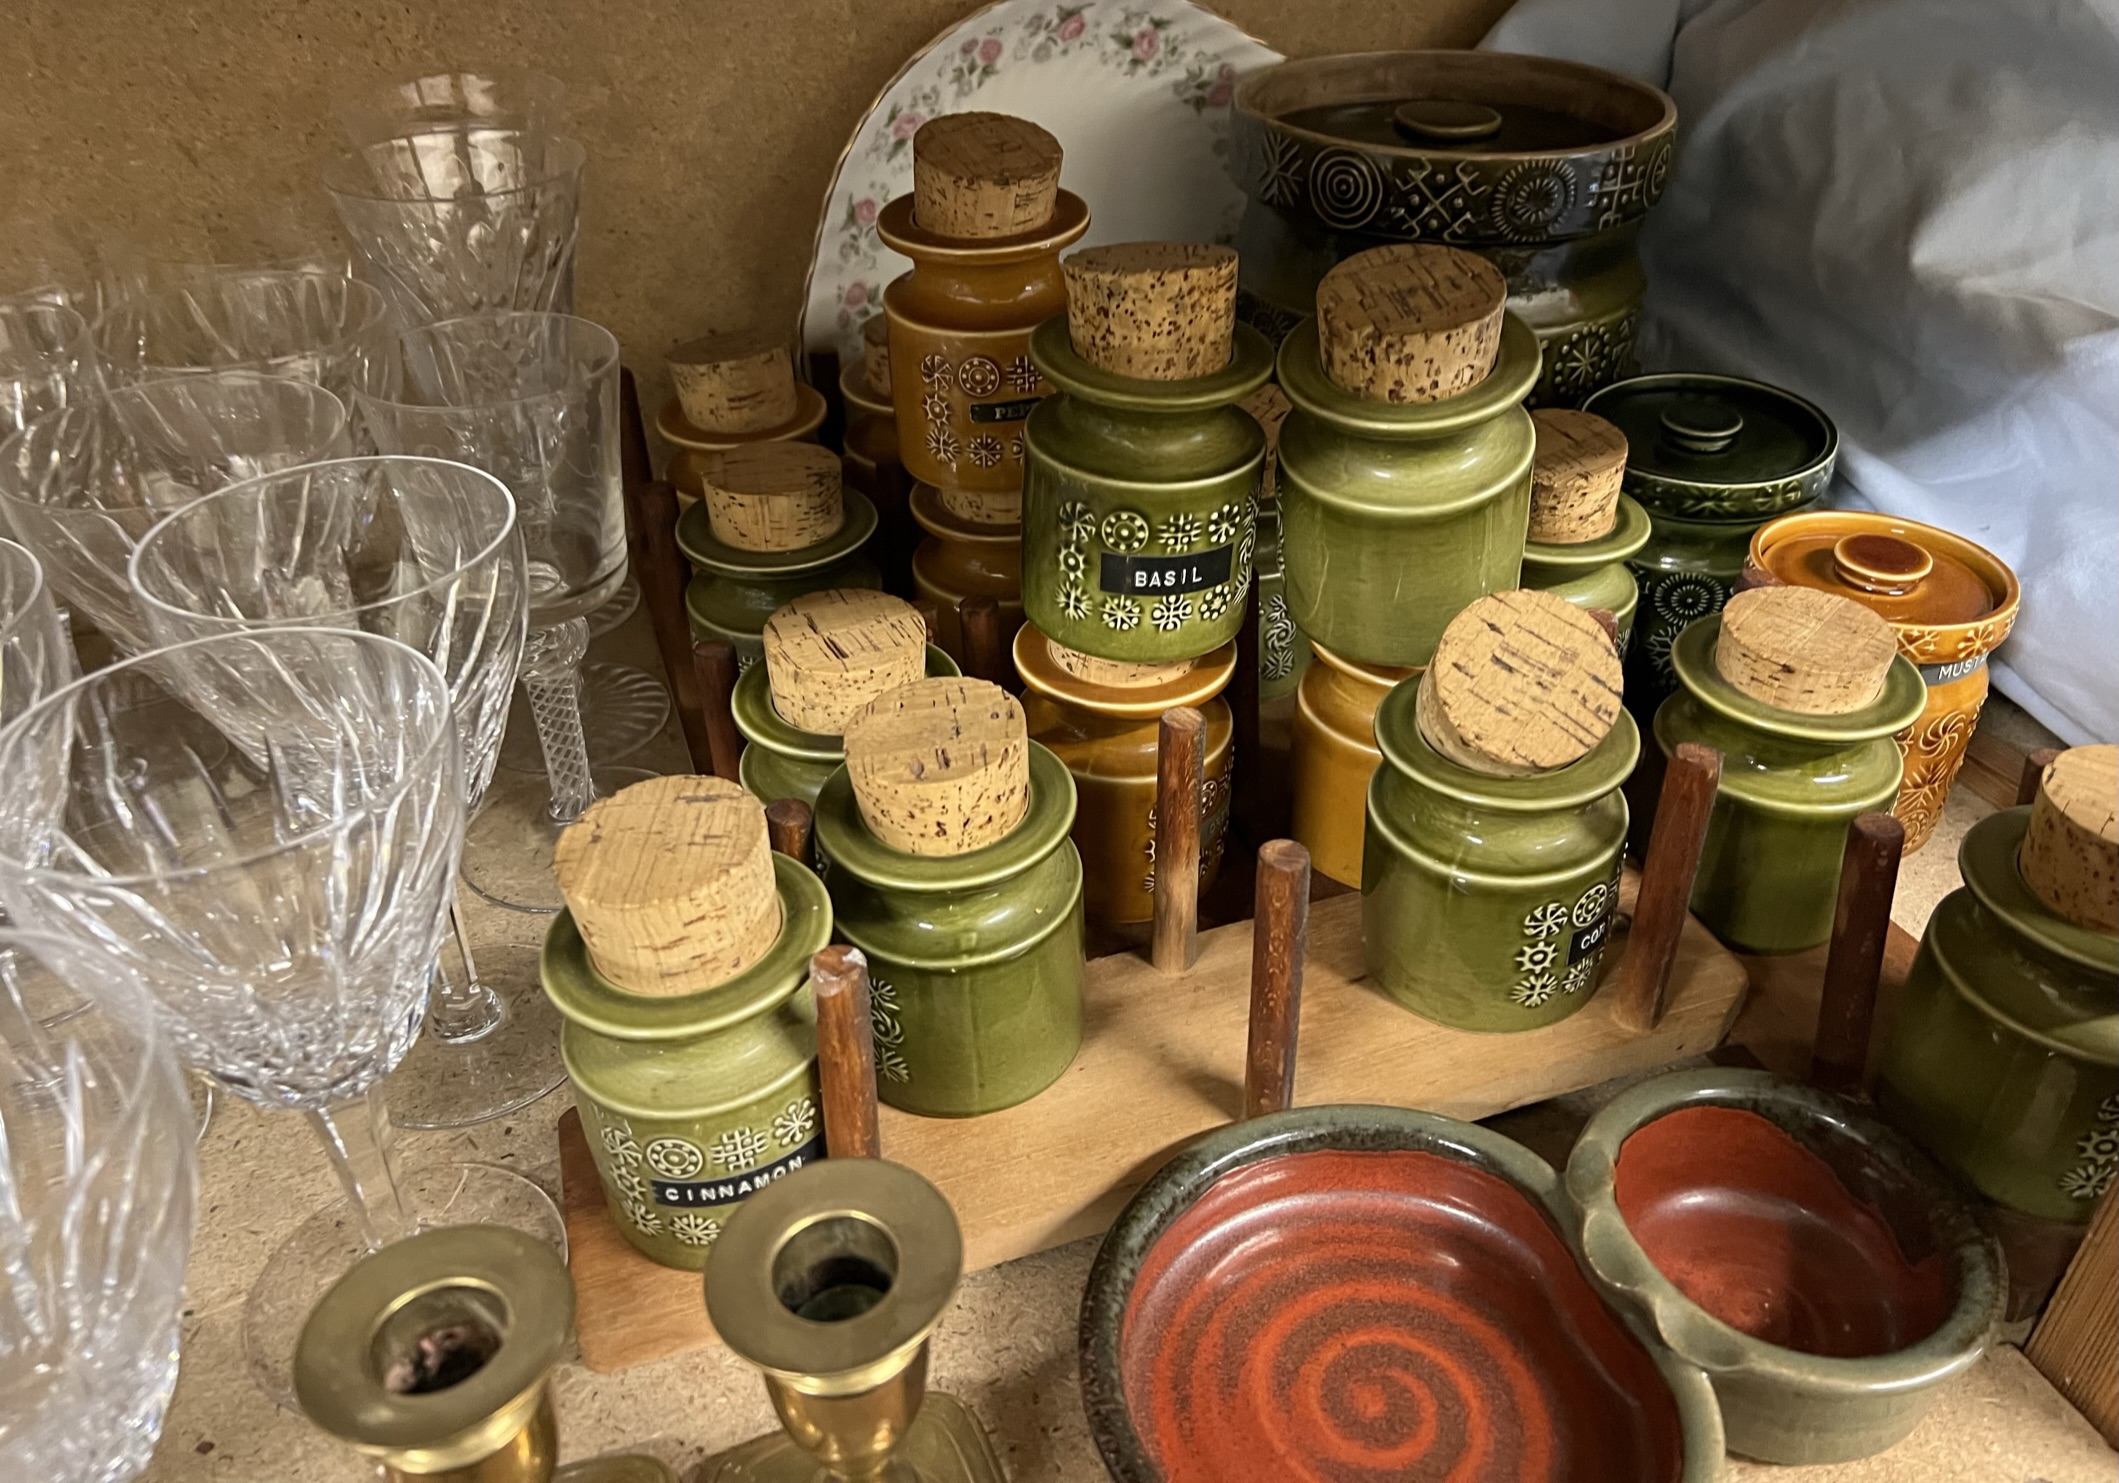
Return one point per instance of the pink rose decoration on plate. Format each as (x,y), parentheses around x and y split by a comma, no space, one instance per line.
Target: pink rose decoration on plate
(864,211)
(856,295)
(1071,27)
(990,50)
(906,124)
(1146,43)
(1224,88)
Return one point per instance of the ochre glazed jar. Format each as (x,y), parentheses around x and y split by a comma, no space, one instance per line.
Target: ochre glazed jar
(690,1102)
(1138,503)
(696,448)
(1395,516)
(1333,754)
(2004,1053)
(961,376)
(733,591)
(975,960)
(1487,902)
(960,560)
(871,437)
(1791,784)
(783,761)
(1594,574)
(1951,603)
(1106,737)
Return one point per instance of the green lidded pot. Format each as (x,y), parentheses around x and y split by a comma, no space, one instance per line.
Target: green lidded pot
(975,961)
(733,591)
(1138,503)
(1487,902)
(691,1101)
(1594,574)
(783,761)
(2003,1057)
(1791,784)
(1395,516)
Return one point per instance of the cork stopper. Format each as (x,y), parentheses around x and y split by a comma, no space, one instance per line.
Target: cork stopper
(941,766)
(738,383)
(1162,311)
(977,175)
(1118,674)
(983,506)
(829,653)
(1522,683)
(875,355)
(1269,407)
(1574,476)
(2070,854)
(774,496)
(1410,322)
(1803,650)
(671,884)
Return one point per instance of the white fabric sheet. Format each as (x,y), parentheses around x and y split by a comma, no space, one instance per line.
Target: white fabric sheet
(1908,211)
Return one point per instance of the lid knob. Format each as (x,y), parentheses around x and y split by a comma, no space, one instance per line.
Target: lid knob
(1701,424)
(1880,563)
(1445,120)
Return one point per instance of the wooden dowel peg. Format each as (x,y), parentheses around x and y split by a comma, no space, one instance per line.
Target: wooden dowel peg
(983,655)
(846,1053)
(1868,878)
(1279,941)
(788,822)
(663,573)
(714,664)
(1246,786)
(1672,860)
(2035,763)
(1180,775)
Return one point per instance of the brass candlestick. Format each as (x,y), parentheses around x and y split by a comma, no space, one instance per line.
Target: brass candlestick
(434,1356)
(830,1282)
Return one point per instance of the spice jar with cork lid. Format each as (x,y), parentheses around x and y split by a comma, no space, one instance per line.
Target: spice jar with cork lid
(1332,755)
(827,654)
(681,968)
(944,843)
(871,437)
(1490,871)
(2003,1057)
(1405,465)
(731,389)
(1283,649)
(1142,472)
(1800,691)
(776,522)
(1101,717)
(1582,528)
(960,560)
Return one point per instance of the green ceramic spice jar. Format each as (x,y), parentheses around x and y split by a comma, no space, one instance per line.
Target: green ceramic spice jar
(1594,574)
(1138,501)
(784,761)
(690,1102)
(2003,1057)
(1395,516)
(734,591)
(975,960)
(1487,902)
(1791,784)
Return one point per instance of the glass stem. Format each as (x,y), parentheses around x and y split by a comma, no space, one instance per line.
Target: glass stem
(461,1008)
(551,677)
(358,1136)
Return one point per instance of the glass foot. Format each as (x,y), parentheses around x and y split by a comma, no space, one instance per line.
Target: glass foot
(622,710)
(508,847)
(323,1248)
(623,604)
(945,1444)
(458,1083)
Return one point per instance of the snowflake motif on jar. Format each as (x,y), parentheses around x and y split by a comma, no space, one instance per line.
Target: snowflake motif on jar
(795,1122)
(645,1218)
(740,1148)
(1539,953)
(1170,612)
(979,376)
(1224,523)
(941,443)
(619,1144)
(1073,562)
(630,1184)
(1180,532)
(1074,602)
(2098,1155)
(985,451)
(1591,907)
(1214,602)
(1125,531)
(1121,614)
(1077,522)
(1023,375)
(694,1229)
(1535,990)
(673,1158)
(1580,975)
(934,370)
(1545,921)
(936,406)
(1530,200)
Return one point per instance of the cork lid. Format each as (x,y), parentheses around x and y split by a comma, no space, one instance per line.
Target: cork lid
(1117,674)
(734,383)
(2070,854)
(1162,311)
(875,355)
(1798,649)
(1410,322)
(1574,476)
(829,653)
(670,883)
(983,175)
(774,496)
(1522,683)
(940,767)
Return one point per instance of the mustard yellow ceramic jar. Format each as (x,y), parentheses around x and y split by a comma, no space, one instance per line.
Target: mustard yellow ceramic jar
(960,560)
(1334,754)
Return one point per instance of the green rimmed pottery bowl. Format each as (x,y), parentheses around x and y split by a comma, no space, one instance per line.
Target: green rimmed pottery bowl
(1791,784)
(1487,903)
(1391,1290)
(733,591)
(1394,517)
(691,1101)
(1826,1276)
(2004,1052)
(1138,503)
(1594,574)
(975,961)
(783,761)
(1705,447)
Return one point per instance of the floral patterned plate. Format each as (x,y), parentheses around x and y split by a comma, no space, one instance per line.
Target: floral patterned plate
(1136,93)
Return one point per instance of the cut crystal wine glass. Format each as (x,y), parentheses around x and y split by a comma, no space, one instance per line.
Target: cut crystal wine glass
(47,359)
(35,655)
(488,97)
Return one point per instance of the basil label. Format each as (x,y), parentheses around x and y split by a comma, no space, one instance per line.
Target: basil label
(1157,574)
(694,1194)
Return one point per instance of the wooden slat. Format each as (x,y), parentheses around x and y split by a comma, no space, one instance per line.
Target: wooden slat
(2076,1345)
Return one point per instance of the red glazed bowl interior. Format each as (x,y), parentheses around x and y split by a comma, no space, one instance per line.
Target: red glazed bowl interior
(1357,1316)
(1760,1232)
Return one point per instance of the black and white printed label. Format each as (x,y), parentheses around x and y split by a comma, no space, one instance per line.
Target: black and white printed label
(1590,939)
(1013,411)
(701,1194)
(1943,674)
(1151,576)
